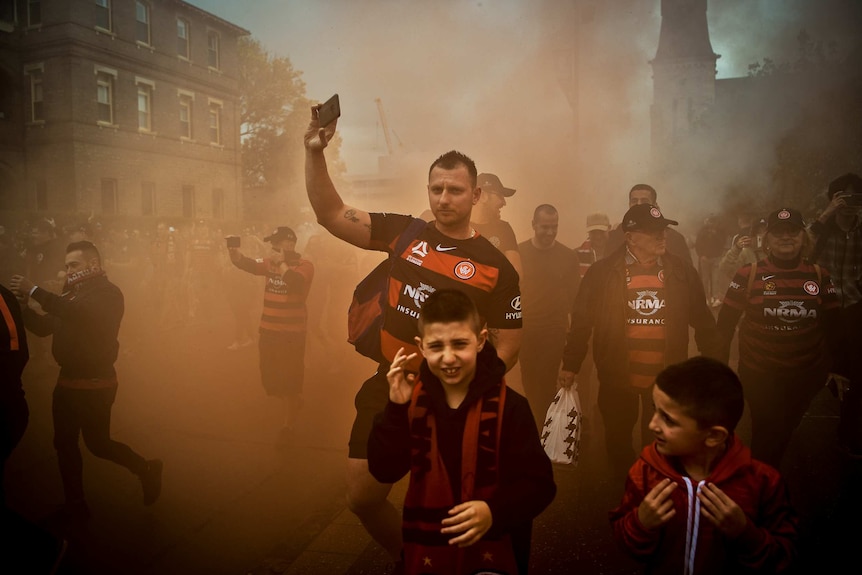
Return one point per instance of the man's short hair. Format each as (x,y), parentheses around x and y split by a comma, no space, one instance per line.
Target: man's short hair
(449,306)
(451,160)
(87,248)
(707,390)
(544,209)
(646,187)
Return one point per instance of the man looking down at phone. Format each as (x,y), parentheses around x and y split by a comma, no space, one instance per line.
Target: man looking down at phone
(283,323)
(446,253)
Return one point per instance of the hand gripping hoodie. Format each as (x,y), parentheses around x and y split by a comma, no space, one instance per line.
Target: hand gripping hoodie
(690,544)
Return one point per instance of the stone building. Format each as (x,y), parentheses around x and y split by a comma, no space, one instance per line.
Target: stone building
(119,107)
(725,137)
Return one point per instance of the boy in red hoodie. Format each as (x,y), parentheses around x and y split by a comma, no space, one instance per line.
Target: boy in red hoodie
(695,500)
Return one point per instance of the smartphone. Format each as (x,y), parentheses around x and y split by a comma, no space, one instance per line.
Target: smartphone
(329,111)
(233,241)
(852,199)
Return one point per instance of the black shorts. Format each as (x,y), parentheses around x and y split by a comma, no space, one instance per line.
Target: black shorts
(282,362)
(370,400)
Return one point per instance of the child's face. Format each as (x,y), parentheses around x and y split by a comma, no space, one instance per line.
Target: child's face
(450,350)
(676,433)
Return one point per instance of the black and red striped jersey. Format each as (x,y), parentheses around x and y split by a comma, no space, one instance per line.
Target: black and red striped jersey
(782,326)
(435,261)
(646,321)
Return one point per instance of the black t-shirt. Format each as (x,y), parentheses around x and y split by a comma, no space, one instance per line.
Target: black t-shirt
(549,284)
(499,233)
(435,261)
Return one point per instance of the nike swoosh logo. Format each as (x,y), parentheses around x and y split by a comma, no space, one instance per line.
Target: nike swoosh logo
(764,278)
(442,249)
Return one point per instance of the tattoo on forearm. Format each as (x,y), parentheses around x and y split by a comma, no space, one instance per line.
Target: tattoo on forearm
(351,215)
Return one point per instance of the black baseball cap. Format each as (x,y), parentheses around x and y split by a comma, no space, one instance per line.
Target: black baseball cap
(280,233)
(785,217)
(491,183)
(645,218)
(849,182)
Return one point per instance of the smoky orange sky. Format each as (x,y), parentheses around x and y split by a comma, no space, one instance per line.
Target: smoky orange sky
(483,77)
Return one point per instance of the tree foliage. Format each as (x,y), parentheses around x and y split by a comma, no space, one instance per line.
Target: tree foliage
(809,53)
(274,113)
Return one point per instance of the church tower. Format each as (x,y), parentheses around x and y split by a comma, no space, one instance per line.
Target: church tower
(683,77)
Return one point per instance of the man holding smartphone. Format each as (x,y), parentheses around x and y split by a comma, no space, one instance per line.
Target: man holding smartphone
(838,248)
(447,253)
(283,323)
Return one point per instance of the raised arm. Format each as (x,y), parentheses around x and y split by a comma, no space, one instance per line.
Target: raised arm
(342,221)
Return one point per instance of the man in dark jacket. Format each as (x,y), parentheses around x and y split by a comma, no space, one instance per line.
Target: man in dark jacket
(637,305)
(85,320)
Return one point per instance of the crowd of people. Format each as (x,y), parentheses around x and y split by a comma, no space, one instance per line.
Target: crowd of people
(466,310)
(629,297)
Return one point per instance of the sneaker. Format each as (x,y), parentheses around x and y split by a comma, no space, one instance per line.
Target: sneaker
(151,481)
(234,346)
(247,343)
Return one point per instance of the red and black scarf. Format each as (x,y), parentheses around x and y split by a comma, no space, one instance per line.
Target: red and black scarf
(429,494)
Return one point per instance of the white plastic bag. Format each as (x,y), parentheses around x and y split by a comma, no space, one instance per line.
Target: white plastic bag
(561,434)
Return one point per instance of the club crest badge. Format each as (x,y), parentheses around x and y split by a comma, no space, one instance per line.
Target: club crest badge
(465,270)
(811,287)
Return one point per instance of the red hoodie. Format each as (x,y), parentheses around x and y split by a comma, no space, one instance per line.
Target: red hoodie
(689,544)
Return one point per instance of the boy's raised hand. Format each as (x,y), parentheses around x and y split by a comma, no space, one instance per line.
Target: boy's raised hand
(471,519)
(657,507)
(400,383)
(721,511)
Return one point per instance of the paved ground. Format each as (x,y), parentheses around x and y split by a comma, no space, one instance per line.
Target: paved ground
(235,503)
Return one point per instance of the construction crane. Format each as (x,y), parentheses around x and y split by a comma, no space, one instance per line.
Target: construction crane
(386,127)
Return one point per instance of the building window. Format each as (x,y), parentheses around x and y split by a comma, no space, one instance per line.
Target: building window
(183,38)
(148,199)
(37,105)
(109,196)
(215,123)
(186,102)
(8,15)
(218,203)
(213,50)
(145,104)
(103,14)
(142,23)
(105,97)
(188,201)
(34,12)
(42,196)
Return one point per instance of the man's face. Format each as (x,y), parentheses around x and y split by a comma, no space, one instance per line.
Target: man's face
(75,262)
(451,196)
(785,241)
(451,349)
(676,433)
(598,238)
(640,196)
(493,203)
(284,245)
(545,229)
(648,244)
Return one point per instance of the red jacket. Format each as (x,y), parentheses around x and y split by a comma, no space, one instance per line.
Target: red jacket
(768,544)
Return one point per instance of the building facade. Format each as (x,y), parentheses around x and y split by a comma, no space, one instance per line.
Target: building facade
(119,107)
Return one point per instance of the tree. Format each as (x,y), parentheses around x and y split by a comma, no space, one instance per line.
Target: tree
(273,114)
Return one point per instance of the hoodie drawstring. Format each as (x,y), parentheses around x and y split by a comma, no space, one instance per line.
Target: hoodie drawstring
(692,525)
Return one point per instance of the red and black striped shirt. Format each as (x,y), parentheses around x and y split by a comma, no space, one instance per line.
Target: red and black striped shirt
(435,261)
(782,325)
